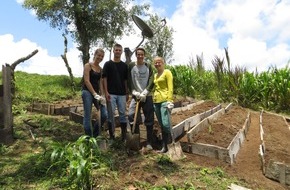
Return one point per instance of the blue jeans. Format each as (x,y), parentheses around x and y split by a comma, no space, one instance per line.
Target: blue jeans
(117,101)
(163,115)
(88,100)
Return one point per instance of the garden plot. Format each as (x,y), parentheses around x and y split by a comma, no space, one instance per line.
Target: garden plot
(275,147)
(219,135)
(56,108)
(184,118)
(76,114)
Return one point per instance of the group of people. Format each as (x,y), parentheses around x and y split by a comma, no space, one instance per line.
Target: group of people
(108,88)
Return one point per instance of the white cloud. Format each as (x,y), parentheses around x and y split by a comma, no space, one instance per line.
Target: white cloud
(255,32)
(41,62)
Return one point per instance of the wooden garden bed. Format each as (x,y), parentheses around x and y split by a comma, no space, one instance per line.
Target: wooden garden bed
(275,147)
(219,135)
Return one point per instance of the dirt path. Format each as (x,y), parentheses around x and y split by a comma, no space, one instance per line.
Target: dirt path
(248,165)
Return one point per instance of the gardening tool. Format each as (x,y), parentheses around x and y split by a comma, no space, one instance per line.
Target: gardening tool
(102,141)
(146,31)
(174,149)
(133,139)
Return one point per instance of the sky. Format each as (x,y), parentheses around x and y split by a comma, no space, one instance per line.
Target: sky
(256,34)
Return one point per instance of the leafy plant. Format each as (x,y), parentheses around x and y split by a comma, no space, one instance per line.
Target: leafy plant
(79,159)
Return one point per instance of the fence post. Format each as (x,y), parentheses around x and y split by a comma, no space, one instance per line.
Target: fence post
(6,125)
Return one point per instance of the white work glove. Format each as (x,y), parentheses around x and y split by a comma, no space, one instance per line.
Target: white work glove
(136,94)
(97,97)
(170,106)
(103,100)
(143,95)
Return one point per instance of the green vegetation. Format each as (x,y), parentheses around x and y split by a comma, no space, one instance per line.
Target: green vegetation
(51,153)
(268,90)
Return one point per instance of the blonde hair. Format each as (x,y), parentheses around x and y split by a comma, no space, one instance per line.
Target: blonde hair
(99,50)
(158,58)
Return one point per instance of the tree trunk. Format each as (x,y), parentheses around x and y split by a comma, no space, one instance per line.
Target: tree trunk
(67,65)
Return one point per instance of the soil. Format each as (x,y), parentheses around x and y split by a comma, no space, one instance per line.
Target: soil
(247,166)
(222,131)
(274,133)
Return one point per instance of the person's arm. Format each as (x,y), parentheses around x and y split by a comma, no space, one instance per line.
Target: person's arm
(150,84)
(105,83)
(169,79)
(129,80)
(87,69)
(102,91)
(126,82)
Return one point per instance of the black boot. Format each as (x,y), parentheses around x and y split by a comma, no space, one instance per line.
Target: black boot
(164,142)
(137,129)
(149,130)
(111,131)
(123,131)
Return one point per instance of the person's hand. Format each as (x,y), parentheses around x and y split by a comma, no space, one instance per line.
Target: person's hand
(143,95)
(145,92)
(142,98)
(136,94)
(97,96)
(170,106)
(103,100)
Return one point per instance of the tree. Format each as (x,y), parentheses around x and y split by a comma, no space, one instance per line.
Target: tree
(161,43)
(90,22)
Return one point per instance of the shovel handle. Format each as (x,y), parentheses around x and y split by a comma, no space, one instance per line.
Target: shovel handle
(136,115)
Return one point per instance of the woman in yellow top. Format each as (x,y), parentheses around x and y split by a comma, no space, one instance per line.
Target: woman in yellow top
(162,99)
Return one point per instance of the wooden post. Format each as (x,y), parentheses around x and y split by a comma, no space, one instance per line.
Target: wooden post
(6,128)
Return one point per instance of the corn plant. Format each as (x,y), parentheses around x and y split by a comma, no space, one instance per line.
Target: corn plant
(281,93)
(79,159)
(250,92)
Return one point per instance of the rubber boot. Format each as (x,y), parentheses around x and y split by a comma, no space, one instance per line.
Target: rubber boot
(123,131)
(137,129)
(164,142)
(111,132)
(149,130)
(96,130)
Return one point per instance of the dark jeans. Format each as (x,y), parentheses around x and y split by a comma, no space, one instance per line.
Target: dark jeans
(88,100)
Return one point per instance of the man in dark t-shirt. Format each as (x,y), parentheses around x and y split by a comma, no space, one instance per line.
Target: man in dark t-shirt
(115,74)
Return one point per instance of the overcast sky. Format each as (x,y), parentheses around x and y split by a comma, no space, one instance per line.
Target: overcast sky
(256,33)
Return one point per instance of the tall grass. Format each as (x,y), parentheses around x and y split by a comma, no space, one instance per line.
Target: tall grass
(42,88)
(269,90)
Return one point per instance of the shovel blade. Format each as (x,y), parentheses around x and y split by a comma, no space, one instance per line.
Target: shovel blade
(175,151)
(133,141)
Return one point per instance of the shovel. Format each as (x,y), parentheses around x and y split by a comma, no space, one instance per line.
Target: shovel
(102,142)
(174,149)
(132,139)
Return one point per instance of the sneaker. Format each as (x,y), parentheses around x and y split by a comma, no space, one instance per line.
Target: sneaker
(149,147)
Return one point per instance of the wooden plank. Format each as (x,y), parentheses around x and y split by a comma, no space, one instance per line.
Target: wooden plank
(178,129)
(191,122)
(196,129)
(209,151)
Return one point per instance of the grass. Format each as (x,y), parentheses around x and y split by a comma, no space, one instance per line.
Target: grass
(28,163)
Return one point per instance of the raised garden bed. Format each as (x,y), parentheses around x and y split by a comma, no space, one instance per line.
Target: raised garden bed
(56,108)
(219,135)
(275,147)
(76,114)
(184,118)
